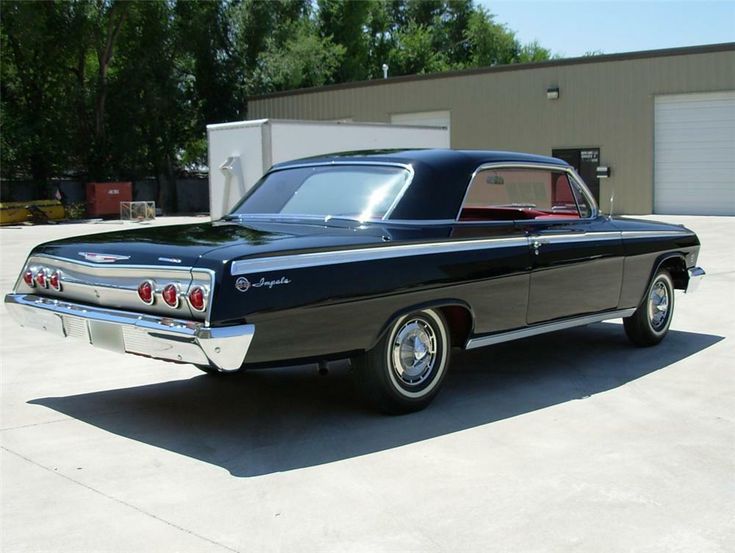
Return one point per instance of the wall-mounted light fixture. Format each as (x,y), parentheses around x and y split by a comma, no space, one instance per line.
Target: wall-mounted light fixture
(552,93)
(603,172)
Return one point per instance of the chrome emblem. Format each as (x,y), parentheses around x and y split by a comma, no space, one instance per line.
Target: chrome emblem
(103,257)
(242,284)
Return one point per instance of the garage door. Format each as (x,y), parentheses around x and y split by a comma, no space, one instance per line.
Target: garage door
(694,148)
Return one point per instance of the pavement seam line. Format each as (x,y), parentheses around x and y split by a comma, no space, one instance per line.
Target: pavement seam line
(120,501)
(9,428)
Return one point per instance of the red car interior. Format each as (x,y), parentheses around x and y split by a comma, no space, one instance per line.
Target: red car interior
(512,214)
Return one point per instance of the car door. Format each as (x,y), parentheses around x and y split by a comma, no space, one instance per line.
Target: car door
(577,256)
(496,272)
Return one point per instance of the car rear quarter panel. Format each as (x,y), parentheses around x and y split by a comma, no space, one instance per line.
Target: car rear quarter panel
(344,307)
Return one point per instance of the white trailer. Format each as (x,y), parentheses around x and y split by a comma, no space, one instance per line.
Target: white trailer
(241,152)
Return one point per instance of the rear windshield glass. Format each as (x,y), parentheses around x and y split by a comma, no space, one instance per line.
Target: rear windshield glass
(363,192)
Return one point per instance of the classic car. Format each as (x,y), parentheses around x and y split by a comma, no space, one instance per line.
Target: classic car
(387,258)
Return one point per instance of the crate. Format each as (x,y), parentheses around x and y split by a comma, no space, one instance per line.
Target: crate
(137,211)
(103,198)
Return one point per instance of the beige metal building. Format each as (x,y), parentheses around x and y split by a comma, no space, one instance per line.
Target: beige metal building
(663,121)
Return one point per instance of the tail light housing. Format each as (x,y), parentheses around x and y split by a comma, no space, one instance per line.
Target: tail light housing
(146,292)
(197,298)
(42,278)
(28,278)
(55,281)
(170,295)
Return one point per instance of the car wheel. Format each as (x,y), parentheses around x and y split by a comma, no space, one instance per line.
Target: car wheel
(650,322)
(404,371)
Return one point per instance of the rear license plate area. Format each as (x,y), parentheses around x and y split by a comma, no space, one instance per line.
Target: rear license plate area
(106,336)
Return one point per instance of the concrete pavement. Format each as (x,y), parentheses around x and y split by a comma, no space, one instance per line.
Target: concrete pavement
(574,440)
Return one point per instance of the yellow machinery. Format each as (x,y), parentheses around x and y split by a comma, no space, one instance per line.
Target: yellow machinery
(38,211)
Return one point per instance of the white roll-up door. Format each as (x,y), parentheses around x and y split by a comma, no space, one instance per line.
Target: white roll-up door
(694,154)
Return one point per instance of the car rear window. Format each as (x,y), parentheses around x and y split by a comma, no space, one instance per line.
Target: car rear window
(363,192)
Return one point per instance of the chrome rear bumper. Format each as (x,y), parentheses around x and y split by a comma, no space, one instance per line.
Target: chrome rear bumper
(126,332)
(696,274)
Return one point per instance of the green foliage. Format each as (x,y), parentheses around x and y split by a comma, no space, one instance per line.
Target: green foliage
(489,43)
(109,89)
(533,52)
(34,88)
(304,59)
(413,52)
(342,22)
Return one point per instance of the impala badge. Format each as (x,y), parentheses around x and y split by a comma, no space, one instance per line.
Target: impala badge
(242,284)
(103,257)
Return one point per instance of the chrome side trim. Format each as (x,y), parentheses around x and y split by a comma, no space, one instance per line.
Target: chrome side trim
(317,259)
(574,237)
(127,332)
(655,233)
(483,341)
(696,274)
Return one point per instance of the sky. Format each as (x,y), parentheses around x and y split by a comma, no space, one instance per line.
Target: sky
(573,28)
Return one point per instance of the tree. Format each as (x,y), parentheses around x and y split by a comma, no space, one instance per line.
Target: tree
(489,43)
(343,23)
(34,88)
(413,52)
(113,89)
(533,52)
(304,59)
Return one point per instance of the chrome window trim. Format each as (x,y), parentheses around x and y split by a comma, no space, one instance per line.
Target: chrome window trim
(406,166)
(586,192)
(279,218)
(533,165)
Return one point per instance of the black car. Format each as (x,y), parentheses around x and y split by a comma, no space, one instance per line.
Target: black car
(388,258)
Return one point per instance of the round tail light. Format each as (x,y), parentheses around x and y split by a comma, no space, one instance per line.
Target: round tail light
(196,298)
(145,292)
(28,278)
(55,281)
(42,278)
(170,295)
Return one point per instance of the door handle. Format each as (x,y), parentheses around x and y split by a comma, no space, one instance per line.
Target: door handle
(536,244)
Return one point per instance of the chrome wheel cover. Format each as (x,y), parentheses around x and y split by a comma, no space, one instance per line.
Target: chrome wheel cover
(413,352)
(658,305)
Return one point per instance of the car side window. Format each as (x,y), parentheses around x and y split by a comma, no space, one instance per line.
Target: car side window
(505,194)
(585,209)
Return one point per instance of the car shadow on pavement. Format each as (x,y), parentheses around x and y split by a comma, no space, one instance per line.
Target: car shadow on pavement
(283,419)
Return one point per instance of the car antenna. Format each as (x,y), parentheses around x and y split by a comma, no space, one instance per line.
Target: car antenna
(612,200)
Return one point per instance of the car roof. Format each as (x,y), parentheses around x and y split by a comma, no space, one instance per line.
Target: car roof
(441,176)
(443,156)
